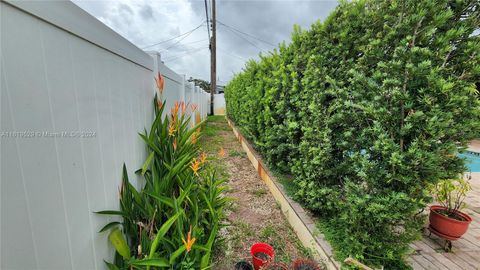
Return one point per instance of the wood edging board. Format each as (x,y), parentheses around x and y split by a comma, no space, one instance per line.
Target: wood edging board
(301,222)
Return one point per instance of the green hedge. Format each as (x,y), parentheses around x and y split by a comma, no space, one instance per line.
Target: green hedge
(365,110)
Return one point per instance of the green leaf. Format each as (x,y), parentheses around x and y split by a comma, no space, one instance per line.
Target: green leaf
(177,253)
(111,266)
(146,165)
(109,225)
(157,262)
(205,261)
(119,242)
(161,232)
(111,212)
(163,199)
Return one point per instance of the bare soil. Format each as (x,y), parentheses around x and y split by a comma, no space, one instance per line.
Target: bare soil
(254,215)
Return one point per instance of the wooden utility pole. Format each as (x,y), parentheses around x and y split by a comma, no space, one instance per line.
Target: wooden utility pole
(213,57)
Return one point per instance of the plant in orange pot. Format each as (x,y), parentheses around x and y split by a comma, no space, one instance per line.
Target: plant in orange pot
(446,219)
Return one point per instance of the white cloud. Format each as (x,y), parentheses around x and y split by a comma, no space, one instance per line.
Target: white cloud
(145,22)
(148,22)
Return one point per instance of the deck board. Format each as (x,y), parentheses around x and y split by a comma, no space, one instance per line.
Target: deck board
(466,251)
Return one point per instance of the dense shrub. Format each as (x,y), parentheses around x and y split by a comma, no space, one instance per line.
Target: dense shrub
(365,110)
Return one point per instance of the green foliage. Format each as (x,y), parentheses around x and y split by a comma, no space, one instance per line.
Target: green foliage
(366,110)
(205,85)
(451,193)
(173,220)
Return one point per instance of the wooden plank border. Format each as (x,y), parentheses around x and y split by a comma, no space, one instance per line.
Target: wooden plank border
(301,222)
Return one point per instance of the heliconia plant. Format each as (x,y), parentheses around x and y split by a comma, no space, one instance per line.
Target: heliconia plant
(366,109)
(172,221)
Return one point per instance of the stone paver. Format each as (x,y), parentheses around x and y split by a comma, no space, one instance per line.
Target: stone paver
(474,146)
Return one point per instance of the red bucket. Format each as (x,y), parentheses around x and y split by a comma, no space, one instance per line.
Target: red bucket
(261,254)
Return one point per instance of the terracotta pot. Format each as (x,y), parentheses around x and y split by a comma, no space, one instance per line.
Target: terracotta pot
(301,264)
(447,227)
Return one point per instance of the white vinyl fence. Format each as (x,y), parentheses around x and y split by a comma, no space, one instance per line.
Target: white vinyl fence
(74,95)
(219,106)
(177,89)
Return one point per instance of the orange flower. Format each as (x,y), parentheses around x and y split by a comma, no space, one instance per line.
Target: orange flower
(194,107)
(160,82)
(171,128)
(194,138)
(221,152)
(174,111)
(183,106)
(195,166)
(190,241)
(203,158)
(174,144)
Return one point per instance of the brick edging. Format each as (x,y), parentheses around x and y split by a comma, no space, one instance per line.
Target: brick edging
(302,224)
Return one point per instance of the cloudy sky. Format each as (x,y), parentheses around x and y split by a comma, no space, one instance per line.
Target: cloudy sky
(244,29)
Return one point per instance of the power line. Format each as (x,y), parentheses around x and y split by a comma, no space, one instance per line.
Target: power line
(232,54)
(178,43)
(184,37)
(252,36)
(167,40)
(234,57)
(185,54)
(242,37)
(206,15)
(186,51)
(196,41)
(181,56)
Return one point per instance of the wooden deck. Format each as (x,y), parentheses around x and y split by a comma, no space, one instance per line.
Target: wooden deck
(466,251)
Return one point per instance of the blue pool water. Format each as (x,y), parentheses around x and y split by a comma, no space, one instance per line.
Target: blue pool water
(472,160)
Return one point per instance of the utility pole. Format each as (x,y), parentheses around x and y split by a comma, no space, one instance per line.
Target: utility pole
(213,57)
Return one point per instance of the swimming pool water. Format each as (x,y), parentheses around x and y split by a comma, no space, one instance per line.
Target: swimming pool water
(472,160)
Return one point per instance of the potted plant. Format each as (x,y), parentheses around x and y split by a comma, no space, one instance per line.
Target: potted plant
(262,254)
(243,265)
(446,219)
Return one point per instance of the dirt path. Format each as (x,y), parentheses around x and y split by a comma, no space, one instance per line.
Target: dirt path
(254,216)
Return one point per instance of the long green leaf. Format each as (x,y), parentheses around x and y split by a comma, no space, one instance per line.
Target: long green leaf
(109,225)
(207,201)
(205,261)
(111,266)
(158,262)
(162,199)
(177,253)
(111,212)
(161,232)
(119,242)
(147,162)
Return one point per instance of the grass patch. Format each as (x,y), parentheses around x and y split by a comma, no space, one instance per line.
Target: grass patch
(236,153)
(287,182)
(240,231)
(216,118)
(214,125)
(277,237)
(259,192)
(209,130)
